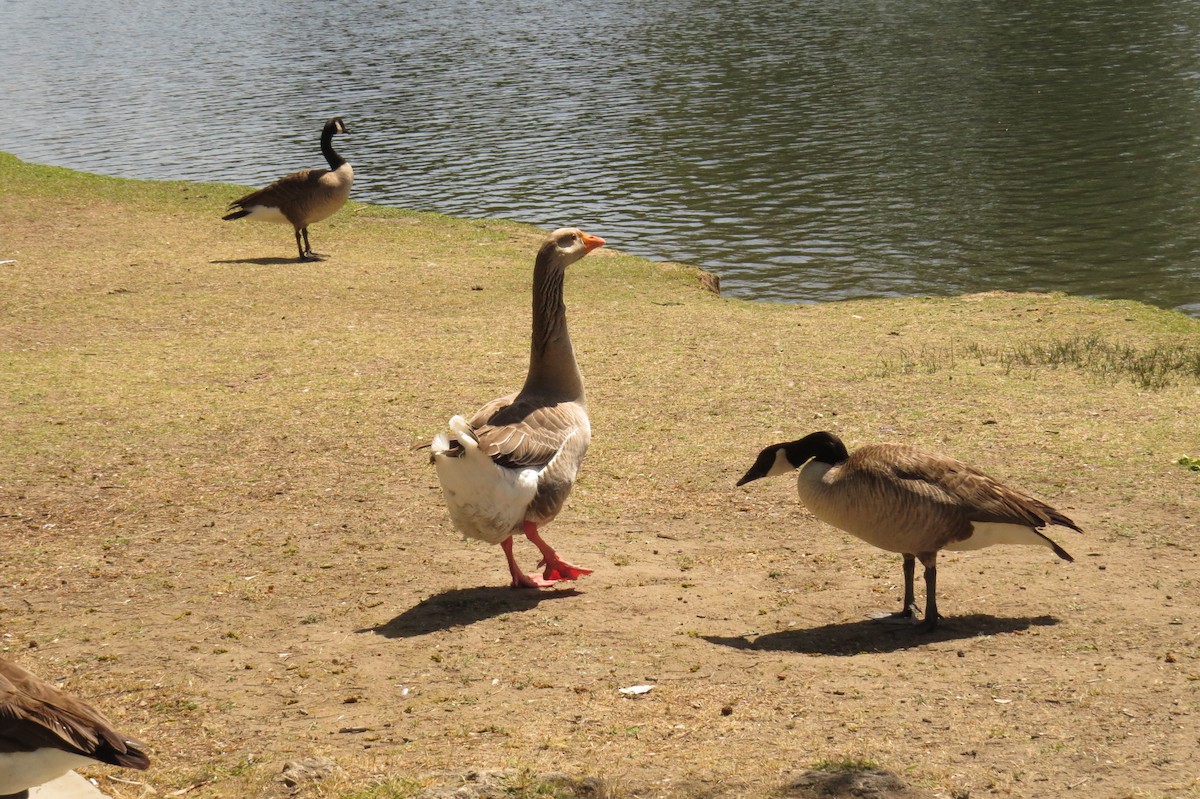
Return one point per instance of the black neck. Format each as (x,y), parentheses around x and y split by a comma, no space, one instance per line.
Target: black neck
(824,447)
(335,160)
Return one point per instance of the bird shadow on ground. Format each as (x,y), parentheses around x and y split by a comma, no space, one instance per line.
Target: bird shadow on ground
(462,606)
(857,637)
(262,261)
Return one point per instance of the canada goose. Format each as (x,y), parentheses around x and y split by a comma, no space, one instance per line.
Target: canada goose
(905,500)
(45,732)
(304,197)
(510,468)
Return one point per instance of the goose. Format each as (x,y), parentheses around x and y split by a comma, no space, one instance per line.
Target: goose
(510,467)
(903,499)
(304,197)
(45,732)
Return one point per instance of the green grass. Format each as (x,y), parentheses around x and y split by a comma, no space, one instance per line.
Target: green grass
(1150,367)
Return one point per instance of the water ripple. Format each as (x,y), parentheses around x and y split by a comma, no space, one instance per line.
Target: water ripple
(806,152)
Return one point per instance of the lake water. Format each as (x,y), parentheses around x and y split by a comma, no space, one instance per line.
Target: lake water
(805,151)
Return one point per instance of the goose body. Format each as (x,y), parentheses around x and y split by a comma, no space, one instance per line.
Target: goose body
(302,198)
(903,499)
(45,732)
(510,467)
(487,501)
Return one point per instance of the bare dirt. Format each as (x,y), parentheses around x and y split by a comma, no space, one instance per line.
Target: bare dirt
(215,526)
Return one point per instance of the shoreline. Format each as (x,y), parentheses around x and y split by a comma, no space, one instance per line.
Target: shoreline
(219,532)
(712,278)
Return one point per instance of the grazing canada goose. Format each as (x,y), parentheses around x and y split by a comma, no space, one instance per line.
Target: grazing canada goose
(905,500)
(510,468)
(44,733)
(302,198)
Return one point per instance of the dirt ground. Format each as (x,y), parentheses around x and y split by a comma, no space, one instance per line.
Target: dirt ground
(216,527)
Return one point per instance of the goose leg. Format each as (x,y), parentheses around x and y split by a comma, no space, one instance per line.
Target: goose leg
(910,597)
(556,567)
(306,253)
(929,623)
(909,609)
(519,578)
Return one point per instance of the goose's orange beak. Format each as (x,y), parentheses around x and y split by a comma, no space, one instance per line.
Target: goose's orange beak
(591,242)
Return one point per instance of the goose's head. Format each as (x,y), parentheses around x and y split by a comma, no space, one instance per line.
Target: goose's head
(336,125)
(567,245)
(783,458)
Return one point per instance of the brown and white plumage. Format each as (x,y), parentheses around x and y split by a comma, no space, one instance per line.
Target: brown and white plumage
(45,732)
(903,499)
(511,466)
(302,198)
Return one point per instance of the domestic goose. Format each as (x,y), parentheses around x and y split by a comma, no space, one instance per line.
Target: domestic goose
(509,468)
(302,198)
(903,499)
(45,732)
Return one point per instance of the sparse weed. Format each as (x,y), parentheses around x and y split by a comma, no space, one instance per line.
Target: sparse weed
(1150,368)
(847,764)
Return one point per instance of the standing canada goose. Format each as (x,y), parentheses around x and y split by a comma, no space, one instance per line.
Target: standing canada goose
(44,733)
(905,500)
(304,197)
(510,468)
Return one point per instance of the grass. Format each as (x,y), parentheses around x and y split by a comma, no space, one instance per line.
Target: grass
(219,530)
(1149,367)
(850,764)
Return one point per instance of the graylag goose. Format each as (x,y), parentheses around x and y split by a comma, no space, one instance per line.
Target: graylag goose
(45,732)
(302,198)
(903,499)
(510,467)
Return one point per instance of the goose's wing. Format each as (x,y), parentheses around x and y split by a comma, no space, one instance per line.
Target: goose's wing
(35,715)
(521,433)
(949,483)
(288,187)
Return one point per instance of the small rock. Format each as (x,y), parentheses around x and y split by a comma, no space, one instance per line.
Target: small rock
(857,783)
(306,770)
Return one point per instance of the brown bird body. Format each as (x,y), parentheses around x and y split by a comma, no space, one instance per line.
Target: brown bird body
(511,466)
(902,499)
(302,198)
(45,732)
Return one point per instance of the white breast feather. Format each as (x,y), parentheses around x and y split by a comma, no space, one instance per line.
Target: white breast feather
(21,770)
(487,502)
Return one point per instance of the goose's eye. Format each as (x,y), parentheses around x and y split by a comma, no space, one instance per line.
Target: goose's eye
(567,242)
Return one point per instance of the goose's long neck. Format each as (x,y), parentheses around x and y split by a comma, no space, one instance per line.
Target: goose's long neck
(331,155)
(553,373)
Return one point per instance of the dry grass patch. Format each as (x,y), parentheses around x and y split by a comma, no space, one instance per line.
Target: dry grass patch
(216,529)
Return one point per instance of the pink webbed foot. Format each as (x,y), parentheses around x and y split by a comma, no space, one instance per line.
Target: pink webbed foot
(530,581)
(556,567)
(519,578)
(561,570)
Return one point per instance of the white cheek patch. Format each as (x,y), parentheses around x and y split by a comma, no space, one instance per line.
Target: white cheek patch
(781,465)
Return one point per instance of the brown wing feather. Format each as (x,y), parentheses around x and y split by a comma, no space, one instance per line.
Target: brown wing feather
(35,715)
(950,484)
(291,188)
(520,433)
